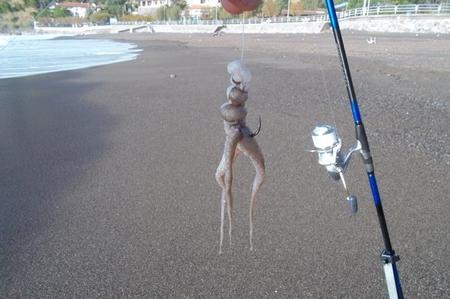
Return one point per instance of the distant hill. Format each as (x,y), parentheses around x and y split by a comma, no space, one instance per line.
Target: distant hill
(12,6)
(16,14)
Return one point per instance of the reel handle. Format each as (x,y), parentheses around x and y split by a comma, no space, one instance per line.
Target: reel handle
(353,202)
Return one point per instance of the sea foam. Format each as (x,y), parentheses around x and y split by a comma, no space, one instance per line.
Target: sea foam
(37,54)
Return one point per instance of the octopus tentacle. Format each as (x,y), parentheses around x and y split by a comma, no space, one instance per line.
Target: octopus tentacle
(250,148)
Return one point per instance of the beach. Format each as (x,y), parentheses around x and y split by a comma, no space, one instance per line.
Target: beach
(107,184)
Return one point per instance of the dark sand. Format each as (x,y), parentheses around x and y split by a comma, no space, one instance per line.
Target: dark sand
(107,174)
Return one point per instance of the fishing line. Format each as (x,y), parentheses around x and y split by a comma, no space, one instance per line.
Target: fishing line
(242,38)
(325,85)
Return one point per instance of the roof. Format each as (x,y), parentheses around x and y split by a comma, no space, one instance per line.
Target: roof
(200,6)
(74,4)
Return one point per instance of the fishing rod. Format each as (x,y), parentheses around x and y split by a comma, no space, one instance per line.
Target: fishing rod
(328,146)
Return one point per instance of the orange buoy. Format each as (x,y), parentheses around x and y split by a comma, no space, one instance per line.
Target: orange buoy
(236,7)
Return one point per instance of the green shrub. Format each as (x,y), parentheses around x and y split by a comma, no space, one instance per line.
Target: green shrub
(60,12)
(137,18)
(100,18)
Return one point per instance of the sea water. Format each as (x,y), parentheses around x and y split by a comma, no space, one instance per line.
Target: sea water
(38,54)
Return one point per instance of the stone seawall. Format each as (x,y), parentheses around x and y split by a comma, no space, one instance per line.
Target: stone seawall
(399,24)
(82,30)
(392,24)
(300,27)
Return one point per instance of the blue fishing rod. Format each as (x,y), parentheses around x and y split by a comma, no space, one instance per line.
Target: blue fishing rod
(328,146)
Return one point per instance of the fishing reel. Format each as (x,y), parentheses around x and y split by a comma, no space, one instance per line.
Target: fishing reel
(329,149)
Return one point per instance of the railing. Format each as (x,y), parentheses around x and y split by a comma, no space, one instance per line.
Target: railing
(406,9)
(377,10)
(254,20)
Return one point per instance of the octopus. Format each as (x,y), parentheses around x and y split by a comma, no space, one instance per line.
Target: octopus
(238,139)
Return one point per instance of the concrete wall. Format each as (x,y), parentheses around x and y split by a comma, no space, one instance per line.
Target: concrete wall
(249,28)
(400,24)
(85,29)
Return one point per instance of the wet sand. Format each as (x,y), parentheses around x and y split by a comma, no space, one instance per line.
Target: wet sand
(107,174)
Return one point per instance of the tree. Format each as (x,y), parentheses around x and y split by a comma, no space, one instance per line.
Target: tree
(296,7)
(60,12)
(161,13)
(355,3)
(207,14)
(100,18)
(180,3)
(44,3)
(172,12)
(314,4)
(5,7)
(271,8)
(115,7)
(283,4)
(31,3)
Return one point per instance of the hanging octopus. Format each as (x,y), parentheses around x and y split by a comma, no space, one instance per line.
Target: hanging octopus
(238,139)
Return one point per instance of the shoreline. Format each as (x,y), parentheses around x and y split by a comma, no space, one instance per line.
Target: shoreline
(256,40)
(35,48)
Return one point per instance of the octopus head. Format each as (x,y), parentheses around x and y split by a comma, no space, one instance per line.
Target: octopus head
(240,74)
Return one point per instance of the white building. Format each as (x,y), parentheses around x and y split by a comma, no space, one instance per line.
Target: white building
(77,9)
(149,7)
(194,8)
